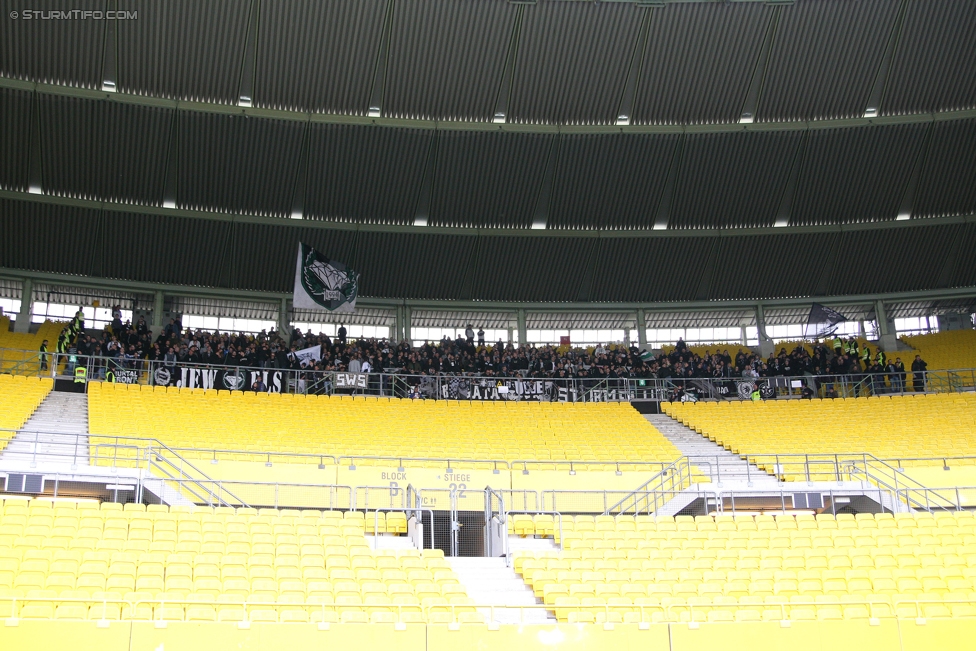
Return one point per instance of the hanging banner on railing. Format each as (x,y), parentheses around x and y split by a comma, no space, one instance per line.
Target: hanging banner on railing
(126,376)
(350,381)
(224,379)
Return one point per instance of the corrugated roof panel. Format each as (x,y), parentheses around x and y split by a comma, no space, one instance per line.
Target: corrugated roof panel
(52,48)
(573,61)
(795,315)
(47,237)
(703,319)
(216,307)
(855,175)
(486,178)
(183,49)
(609,181)
(447,58)
(365,174)
(891,260)
(934,63)
(362,316)
(769,266)
(964,274)
(825,58)
(698,62)
(317,55)
(579,321)
(15,107)
(948,182)
(455,319)
(163,249)
(232,163)
(397,265)
(649,269)
(87,149)
(732,179)
(264,255)
(530,268)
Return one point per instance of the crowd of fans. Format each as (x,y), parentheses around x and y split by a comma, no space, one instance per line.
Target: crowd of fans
(131,345)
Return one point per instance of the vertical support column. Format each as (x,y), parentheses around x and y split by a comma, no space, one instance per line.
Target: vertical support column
(520,322)
(860,329)
(887,336)
(407,329)
(22,324)
(743,336)
(641,330)
(765,343)
(510,336)
(284,323)
(157,313)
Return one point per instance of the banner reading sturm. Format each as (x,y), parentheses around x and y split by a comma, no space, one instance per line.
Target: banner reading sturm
(321,283)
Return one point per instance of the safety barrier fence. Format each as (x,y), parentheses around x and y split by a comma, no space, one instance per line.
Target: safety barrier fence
(394,383)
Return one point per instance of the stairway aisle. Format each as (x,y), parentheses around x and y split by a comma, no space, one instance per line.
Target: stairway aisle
(490,582)
(710,458)
(57,433)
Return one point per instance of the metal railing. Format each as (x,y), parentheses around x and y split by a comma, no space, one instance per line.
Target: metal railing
(440,386)
(652,494)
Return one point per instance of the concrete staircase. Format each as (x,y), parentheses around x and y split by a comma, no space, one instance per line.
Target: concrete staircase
(723,466)
(57,433)
(531,544)
(490,582)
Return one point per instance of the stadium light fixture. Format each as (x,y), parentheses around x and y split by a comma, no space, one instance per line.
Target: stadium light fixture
(108,86)
(499,118)
(623,120)
(871,112)
(420,220)
(903,216)
(747,118)
(781,222)
(374,112)
(244,101)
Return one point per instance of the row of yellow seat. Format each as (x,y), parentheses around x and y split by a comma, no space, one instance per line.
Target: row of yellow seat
(20,348)
(439,429)
(21,397)
(930,425)
(705,564)
(952,349)
(62,559)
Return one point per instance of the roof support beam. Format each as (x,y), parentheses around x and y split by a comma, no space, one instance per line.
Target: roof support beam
(422,216)
(452,125)
(751,104)
(110,66)
(505,87)
(382,61)
(663,216)
(171,179)
(246,86)
(274,298)
(472,232)
(301,178)
(907,206)
(626,106)
(786,205)
(884,68)
(35,173)
(540,218)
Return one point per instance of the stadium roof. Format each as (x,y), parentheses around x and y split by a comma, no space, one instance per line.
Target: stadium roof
(487,150)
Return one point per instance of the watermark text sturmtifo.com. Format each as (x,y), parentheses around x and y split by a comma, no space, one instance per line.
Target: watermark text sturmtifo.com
(73,14)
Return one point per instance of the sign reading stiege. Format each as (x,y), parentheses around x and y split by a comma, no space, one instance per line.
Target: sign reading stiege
(321,283)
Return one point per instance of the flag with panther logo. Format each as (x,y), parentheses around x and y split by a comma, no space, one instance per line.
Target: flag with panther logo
(323,284)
